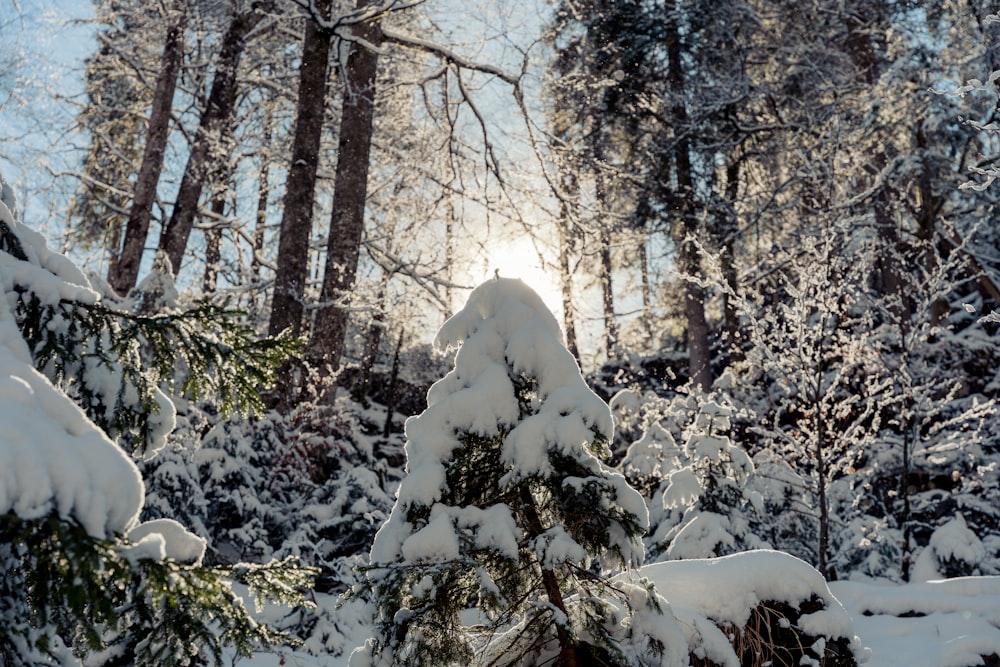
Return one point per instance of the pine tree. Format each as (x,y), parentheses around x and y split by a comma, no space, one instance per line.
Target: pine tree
(507,507)
(79,578)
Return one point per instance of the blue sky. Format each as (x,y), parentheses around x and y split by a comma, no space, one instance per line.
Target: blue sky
(44,44)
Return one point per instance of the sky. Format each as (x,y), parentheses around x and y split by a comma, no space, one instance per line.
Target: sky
(44,44)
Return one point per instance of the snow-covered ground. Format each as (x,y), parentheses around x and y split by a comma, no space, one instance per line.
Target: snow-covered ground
(948,623)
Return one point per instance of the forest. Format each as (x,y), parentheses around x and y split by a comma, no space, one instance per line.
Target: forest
(500,332)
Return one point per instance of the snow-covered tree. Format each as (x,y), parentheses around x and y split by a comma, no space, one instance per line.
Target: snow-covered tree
(713,492)
(80,578)
(508,508)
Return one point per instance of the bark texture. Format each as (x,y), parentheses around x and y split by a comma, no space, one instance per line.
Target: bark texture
(207,149)
(292,265)
(350,193)
(123,273)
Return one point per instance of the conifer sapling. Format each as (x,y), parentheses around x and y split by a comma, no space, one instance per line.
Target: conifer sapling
(508,523)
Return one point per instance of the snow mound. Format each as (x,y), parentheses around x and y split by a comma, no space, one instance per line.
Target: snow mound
(947,623)
(705,594)
(953,550)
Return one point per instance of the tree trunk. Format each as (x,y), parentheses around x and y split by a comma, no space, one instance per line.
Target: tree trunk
(819,454)
(533,522)
(605,270)
(449,255)
(390,402)
(220,191)
(292,266)
(373,339)
(566,247)
(263,192)
(688,259)
(213,240)
(733,335)
(608,294)
(889,268)
(349,194)
(124,272)
(206,149)
(647,291)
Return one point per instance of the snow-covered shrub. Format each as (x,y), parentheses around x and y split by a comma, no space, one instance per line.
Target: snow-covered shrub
(335,525)
(112,361)
(869,546)
(712,493)
(787,522)
(507,507)
(953,551)
(651,459)
(220,488)
(808,363)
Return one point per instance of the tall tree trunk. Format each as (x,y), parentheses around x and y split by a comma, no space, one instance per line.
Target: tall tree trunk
(373,339)
(213,240)
(220,191)
(647,290)
(570,189)
(533,522)
(688,257)
(390,401)
(606,267)
(124,271)
(449,255)
(263,192)
(607,293)
(349,192)
(292,266)
(889,267)
(819,454)
(727,235)
(207,148)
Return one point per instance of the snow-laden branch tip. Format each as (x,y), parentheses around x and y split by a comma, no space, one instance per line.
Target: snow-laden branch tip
(974,85)
(989,175)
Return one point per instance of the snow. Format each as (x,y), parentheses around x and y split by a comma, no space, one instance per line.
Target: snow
(504,329)
(174,540)
(706,592)
(52,276)
(953,541)
(702,534)
(435,541)
(726,589)
(947,623)
(654,455)
(52,458)
(682,489)
(555,547)
(960,621)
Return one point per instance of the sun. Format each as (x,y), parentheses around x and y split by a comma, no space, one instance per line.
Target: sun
(519,258)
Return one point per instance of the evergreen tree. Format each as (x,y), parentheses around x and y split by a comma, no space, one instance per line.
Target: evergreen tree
(507,507)
(714,493)
(79,579)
